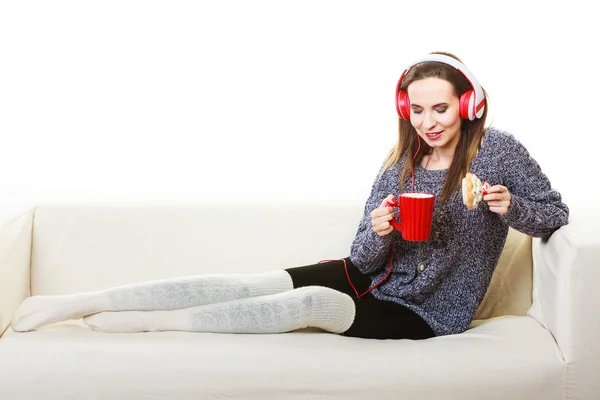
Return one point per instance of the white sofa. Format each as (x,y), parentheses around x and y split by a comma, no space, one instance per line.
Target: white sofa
(536,336)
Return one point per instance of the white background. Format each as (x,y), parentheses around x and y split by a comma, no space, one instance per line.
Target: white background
(283,100)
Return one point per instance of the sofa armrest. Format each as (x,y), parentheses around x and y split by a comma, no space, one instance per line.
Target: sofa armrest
(15,257)
(566,299)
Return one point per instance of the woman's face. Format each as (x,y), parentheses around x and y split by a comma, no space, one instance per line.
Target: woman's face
(435,112)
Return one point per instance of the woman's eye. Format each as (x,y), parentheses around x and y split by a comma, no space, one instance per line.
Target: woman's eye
(438,110)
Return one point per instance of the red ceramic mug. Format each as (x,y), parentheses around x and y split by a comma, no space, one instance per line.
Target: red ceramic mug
(416,213)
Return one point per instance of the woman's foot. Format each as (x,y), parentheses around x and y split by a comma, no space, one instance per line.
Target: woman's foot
(37,311)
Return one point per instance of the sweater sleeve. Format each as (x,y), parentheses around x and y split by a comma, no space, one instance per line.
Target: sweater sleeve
(369,251)
(535,209)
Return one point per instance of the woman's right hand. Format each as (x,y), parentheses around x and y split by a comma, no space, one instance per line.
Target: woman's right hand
(381,217)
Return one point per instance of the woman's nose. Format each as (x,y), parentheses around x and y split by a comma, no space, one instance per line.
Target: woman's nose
(428,121)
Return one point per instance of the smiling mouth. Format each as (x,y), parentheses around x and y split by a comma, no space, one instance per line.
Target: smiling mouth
(433,135)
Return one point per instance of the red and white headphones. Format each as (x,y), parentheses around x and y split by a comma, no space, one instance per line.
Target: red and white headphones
(472,103)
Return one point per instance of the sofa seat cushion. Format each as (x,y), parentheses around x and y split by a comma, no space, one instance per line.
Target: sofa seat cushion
(505,357)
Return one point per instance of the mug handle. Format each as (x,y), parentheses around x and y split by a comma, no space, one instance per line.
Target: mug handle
(394,203)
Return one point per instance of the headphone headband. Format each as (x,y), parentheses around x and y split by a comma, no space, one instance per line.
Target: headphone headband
(475,110)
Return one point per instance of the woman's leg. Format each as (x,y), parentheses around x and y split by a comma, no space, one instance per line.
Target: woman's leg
(316,306)
(320,299)
(310,306)
(170,294)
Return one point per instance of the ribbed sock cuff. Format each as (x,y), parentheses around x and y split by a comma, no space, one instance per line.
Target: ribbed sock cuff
(266,283)
(332,311)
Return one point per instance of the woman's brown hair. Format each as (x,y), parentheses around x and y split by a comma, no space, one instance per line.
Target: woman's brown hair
(471,132)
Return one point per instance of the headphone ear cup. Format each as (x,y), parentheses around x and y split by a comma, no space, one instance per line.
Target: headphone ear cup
(403,105)
(466,105)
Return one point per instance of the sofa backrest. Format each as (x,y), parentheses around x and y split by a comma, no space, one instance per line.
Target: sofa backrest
(90,246)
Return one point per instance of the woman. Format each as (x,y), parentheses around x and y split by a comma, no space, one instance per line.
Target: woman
(388,287)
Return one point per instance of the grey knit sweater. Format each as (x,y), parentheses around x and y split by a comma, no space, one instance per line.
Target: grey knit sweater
(465,246)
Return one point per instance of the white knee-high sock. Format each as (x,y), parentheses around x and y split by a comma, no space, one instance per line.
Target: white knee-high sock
(313,306)
(170,294)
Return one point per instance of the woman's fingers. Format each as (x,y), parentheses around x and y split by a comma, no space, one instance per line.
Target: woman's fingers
(382,212)
(388,199)
(381,217)
(498,199)
(383,229)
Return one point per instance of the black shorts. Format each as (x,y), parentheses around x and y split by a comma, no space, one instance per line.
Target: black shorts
(375,319)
